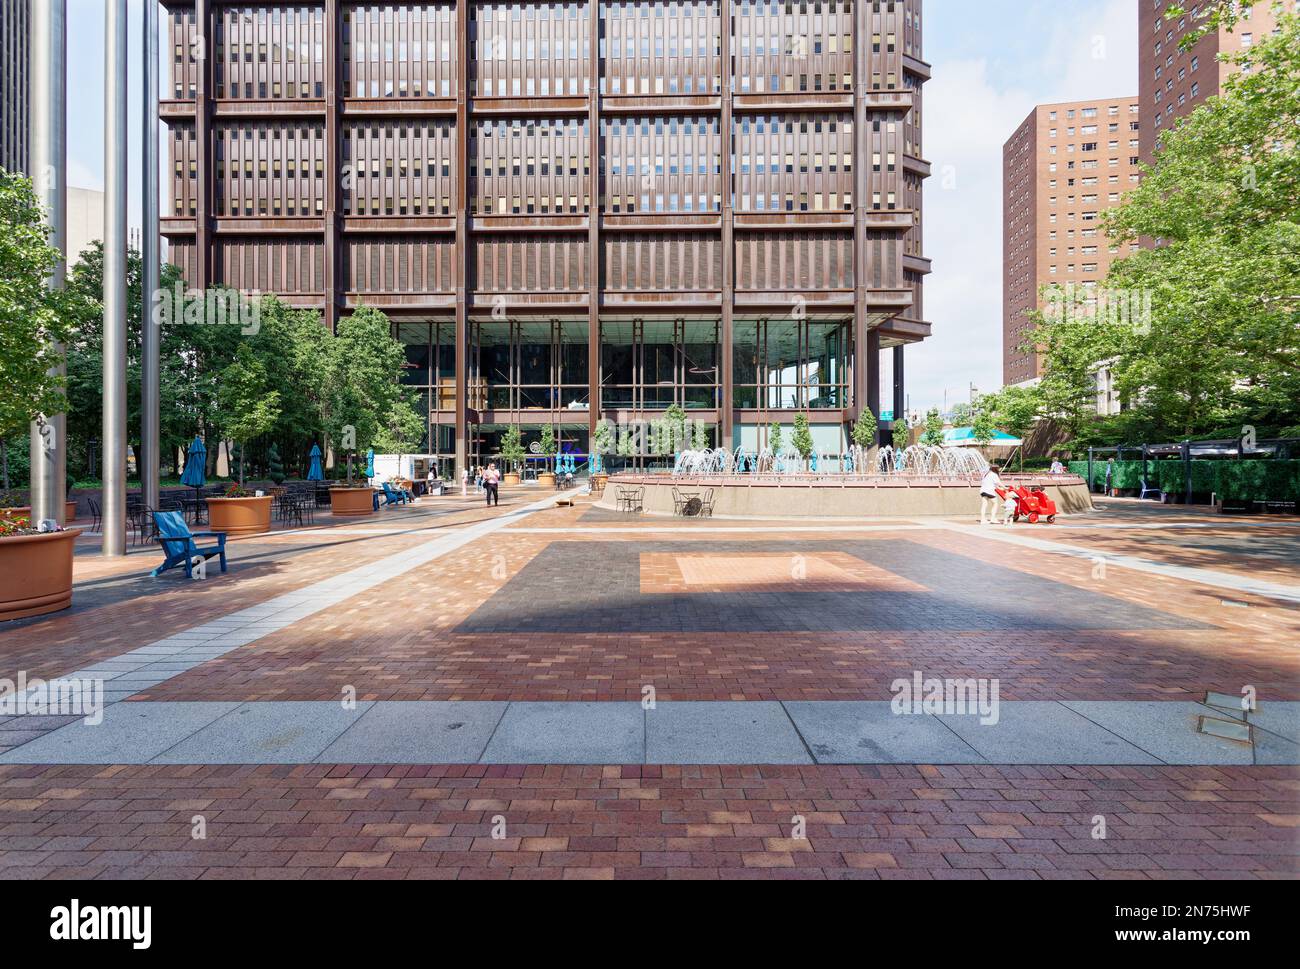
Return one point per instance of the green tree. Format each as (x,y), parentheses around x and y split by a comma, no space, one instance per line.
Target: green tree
(1208,337)
(1014,409)
(983,428)
(274,466)
(604,442)
(802,440)
(547,443)
(1211,15)
(249,405)
(933,435)
(676,435)
(962,414)
(774,438)
(901,436)
(32,317)
(701,439)
(865,429)
(361,396)
(512,447)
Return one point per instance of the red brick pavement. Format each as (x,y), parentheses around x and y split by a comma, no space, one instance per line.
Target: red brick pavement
(980,822)
(415,654)
(262,567)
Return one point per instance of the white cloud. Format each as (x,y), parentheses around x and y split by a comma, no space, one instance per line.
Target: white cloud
(971,108)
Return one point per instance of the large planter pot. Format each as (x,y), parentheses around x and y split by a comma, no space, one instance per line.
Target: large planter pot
(349,502)
(546,479)
(38,574)
(510,478)
(240,516)
(25,511)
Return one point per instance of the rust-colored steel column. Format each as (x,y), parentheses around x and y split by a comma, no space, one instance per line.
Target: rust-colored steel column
(203,137)
(726,414)
(595,262)
(861,71)
(333,153)
(463,254)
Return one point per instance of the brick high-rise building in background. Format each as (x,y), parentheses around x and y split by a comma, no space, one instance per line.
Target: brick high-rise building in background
(1173,83)
(570,210)
(15,84)
(1062,168)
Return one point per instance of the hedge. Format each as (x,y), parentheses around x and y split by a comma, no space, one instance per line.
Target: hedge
(1231,480)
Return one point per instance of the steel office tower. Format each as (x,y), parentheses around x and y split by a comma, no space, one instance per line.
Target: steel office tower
(716,204)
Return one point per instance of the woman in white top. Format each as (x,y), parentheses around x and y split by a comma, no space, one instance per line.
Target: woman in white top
(990,504)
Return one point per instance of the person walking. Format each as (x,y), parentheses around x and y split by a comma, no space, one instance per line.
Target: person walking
(990,504)
(491,482)
(464,482)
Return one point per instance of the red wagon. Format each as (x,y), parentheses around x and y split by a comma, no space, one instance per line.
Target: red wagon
(1033,504)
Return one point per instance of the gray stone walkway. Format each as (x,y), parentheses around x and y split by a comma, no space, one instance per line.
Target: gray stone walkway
(722,732)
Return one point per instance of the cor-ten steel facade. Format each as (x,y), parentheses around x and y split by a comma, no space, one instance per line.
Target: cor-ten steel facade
(15,84)
(570,210)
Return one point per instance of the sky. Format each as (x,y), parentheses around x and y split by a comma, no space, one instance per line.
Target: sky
(992,61)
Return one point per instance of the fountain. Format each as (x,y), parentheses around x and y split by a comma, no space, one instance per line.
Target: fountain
(886,482)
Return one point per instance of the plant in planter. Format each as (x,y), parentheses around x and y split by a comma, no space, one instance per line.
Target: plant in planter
(359,396)
(239,511)
(933,435)
(802,440)
(248,403)
(901,434)
(37,566)
(626,447)
(701,437)
(774,439)
(865,430)
(601,446)
(512,453)
(549,449)
(274,466)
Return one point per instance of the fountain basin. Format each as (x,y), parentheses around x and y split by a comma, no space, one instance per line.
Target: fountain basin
(835,496)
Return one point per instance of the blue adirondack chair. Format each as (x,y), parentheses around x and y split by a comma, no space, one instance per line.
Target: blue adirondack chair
(392,496)
(178,543)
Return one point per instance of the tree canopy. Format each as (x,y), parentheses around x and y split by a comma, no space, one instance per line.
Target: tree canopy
(1212,340)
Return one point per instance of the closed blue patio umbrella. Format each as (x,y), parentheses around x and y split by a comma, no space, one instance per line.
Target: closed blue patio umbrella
(195,465)
(194,475)
(314,473)
(370,463)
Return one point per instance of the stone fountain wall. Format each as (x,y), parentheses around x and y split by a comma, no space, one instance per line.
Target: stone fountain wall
(886,496)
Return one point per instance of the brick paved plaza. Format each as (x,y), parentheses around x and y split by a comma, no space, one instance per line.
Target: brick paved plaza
(645,697)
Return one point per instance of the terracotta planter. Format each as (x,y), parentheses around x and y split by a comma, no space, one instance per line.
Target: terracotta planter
(69,512)
(38,574)
(240,516)
(510,478)
(350,502)
(546,479)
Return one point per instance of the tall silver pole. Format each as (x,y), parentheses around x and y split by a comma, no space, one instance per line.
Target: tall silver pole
(150,456)
(49,167)
(115,164)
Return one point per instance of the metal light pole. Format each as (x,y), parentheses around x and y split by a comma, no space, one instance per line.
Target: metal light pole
(49,166)
(115,164)
(150,453)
